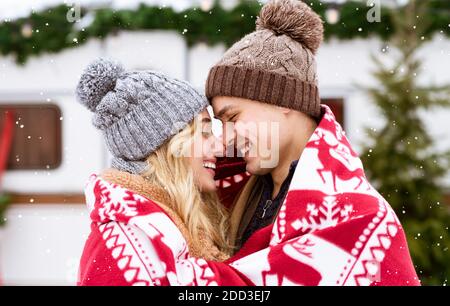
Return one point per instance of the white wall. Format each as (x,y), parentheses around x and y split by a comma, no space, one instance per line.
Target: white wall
(42,243)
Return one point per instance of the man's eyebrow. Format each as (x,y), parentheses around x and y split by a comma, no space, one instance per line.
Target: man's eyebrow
(223,111)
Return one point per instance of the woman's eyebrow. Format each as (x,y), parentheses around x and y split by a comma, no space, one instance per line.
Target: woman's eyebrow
(206,120)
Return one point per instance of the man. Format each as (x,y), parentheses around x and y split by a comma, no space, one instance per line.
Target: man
(269,79)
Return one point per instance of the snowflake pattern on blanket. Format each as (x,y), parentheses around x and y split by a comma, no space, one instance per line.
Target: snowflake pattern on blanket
(332,229)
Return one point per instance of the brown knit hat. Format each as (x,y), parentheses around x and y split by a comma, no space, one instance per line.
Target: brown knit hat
(275,64)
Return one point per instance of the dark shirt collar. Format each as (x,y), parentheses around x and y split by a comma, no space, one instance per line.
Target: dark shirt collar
(267,207)
(268,183)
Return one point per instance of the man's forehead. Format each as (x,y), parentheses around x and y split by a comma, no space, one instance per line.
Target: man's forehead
(221,101)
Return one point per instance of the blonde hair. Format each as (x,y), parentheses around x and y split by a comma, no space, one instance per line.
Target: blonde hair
(202,212)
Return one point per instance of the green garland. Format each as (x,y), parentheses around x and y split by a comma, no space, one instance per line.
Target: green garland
(50,32)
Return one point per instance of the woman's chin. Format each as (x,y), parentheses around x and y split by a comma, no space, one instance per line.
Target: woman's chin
(207,182)
(208,187)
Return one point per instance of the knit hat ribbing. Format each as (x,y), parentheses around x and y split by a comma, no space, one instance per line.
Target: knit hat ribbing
(275,64)
(137,111)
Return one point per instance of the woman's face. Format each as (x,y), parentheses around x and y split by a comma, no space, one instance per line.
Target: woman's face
(205,148)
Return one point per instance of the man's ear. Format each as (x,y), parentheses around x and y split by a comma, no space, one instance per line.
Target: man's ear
(284,110)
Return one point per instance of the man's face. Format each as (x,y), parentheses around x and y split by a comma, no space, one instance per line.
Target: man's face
(253,128)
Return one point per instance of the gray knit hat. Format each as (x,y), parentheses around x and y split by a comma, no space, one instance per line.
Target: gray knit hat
(136,110)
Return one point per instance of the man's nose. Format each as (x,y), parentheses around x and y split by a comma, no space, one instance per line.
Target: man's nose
(218,147)
(229,139)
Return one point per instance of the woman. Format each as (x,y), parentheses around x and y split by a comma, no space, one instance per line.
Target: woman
(159,133)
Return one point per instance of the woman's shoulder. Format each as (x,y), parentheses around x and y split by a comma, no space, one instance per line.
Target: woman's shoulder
(112,198)
(120,196)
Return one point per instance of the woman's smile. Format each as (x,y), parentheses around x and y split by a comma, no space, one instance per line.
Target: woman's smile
(210,166)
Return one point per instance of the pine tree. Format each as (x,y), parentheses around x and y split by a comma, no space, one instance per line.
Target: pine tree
(4,203)
(399,158)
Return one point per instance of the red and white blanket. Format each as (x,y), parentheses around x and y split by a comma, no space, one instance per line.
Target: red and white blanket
(333,229)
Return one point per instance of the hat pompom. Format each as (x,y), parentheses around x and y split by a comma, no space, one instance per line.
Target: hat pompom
(97,80)
(293,18)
